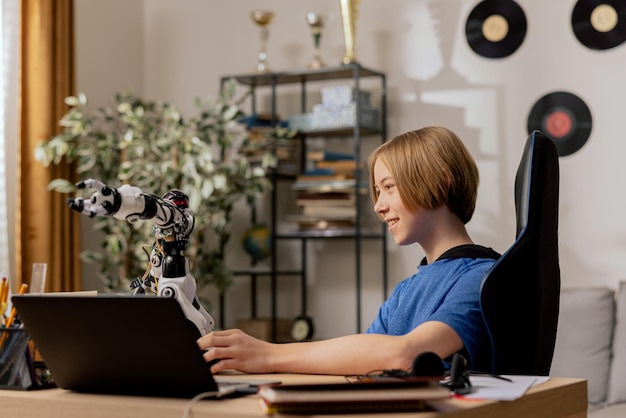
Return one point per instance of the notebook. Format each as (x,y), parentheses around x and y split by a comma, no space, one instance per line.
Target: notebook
(134,345)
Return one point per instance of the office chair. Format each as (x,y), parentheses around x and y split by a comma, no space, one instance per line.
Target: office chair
(520,293)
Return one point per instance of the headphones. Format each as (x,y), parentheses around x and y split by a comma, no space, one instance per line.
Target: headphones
(429,364)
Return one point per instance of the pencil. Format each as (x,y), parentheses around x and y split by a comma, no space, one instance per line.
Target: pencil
(9,322)
(4,294)
(11,318)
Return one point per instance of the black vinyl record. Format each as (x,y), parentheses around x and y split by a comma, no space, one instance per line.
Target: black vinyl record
(496,28)
(564,117)
(600,24)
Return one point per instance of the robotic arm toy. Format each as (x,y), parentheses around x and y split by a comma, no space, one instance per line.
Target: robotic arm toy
(173,221)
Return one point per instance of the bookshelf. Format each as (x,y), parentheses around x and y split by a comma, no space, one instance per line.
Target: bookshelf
(352,187)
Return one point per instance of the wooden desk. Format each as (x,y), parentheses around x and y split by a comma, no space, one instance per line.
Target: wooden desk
(558,397)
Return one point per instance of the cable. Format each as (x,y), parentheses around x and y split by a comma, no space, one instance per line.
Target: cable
(195,399)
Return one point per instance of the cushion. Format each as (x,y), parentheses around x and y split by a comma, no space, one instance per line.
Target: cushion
(583,339)
(613,411)
(617,376)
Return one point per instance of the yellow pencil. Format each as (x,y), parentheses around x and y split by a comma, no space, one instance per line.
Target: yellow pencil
(9,322)
(4,294)
(11,318)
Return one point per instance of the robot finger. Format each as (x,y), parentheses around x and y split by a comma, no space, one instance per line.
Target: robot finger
(85,207)
(91,184)
(77,204)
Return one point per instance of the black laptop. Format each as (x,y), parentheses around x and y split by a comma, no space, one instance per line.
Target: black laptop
(134,345)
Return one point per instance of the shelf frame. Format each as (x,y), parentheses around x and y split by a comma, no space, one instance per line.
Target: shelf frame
(354,72)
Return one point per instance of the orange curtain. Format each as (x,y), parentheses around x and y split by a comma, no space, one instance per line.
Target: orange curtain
(48,231)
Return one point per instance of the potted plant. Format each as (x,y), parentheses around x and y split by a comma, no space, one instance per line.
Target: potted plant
(149,144)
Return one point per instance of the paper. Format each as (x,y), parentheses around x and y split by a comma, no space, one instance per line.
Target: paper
(492,388)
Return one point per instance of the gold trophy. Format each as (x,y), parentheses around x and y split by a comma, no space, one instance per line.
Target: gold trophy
(349,16)
(316,22)
(262,18)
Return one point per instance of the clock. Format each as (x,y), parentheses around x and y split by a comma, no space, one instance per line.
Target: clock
(302,328)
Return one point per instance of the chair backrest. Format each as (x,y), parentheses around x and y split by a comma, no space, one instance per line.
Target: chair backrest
(520,293)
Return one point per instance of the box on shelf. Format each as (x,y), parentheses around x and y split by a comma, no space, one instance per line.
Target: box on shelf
(338,96)
(338,110)
(302,121)
(343,117)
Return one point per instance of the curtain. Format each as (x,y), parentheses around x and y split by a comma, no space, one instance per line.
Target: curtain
(48,231)
(9,94)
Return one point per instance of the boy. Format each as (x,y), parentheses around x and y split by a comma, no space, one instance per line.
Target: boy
(424,185)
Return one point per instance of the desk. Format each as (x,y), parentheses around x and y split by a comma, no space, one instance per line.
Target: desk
(556,398)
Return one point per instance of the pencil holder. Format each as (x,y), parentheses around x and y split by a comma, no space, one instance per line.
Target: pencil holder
(15,365)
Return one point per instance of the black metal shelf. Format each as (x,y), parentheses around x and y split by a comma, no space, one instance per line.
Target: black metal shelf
(324,133)
(359,232)
(265,271)
(332,233)
(304,76)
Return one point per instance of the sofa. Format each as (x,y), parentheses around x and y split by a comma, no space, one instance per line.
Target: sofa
(591,344)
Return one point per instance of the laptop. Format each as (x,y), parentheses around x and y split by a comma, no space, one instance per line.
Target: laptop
(116,344)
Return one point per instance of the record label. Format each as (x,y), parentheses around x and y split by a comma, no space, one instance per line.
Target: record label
(559,123)
(600,24)
(564,117)
(604,18)
(496,28)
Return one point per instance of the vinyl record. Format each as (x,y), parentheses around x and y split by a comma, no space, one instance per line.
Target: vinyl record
(564,117)
(600,24)
(496,28)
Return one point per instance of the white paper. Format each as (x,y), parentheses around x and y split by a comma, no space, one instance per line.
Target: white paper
(493,388)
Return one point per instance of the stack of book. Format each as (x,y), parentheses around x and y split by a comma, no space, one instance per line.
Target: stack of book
(258,147)
(341,398)
(326,192)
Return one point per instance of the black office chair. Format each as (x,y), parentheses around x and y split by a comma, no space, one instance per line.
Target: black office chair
(520,294)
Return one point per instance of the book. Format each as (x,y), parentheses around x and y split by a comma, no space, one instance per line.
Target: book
(321,177)
(337,167)
(324,211)
(324,186)
(393,396)
(316,224)
(330,198)
(320,155)
(304,201)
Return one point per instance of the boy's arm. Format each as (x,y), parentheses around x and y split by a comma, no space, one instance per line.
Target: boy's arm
(352,354)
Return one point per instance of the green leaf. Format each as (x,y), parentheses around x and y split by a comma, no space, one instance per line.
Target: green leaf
(61,186)
(72,101)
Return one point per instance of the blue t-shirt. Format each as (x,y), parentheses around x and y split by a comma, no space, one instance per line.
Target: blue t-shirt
(448,291)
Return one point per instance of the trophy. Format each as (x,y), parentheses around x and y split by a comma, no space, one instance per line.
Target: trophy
(316,22)
(349,16)
(262,18)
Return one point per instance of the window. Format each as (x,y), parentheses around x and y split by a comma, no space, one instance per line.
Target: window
(9,128)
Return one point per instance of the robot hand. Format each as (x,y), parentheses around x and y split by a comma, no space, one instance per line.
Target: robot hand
(127,202)
(171,214)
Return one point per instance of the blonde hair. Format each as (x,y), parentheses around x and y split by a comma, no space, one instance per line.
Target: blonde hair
(431,167)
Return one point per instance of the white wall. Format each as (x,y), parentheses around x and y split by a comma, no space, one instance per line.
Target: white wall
(109,58)
(178,50)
